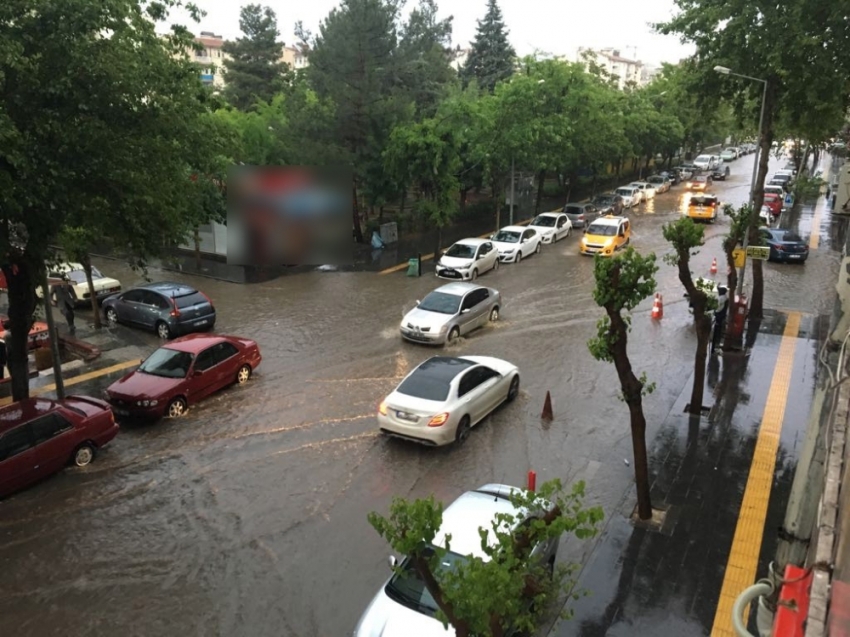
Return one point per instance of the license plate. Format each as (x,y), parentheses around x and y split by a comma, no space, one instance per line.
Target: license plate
(795,256)
(203,322)
(405,416)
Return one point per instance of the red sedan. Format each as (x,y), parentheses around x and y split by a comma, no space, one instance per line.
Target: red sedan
(774,202)
(182,373)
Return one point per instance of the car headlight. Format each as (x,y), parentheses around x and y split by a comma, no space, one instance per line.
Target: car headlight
(508,252)
(147,403)
(444,329)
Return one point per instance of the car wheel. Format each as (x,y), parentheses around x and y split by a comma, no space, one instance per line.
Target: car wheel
(513,390)
(569,231)
(463,429)
(162,330)
(83,455)
(111,315)
(177,407)
(518,257)
(454,334)
(494,315)
(243,375)
(537,249)
(496,265)
(474,275)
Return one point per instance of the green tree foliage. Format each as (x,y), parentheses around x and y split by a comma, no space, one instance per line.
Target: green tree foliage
(90,124)
(486,597)
(254,70)
(622,283)
(492,58)
(685,236)
(806,69)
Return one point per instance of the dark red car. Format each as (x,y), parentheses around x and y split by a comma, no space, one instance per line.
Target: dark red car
(774,202)
(38,437)
(182,373)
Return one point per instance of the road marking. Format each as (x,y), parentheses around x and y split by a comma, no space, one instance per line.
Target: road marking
(78,379)
(814,238)
(746,544)
(428,257)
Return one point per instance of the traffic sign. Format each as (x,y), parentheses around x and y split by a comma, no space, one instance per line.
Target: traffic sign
(739,257)
(789,199)
(760,253)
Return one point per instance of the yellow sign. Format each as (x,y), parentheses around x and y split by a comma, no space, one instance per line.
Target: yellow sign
(739,257)
(762,253)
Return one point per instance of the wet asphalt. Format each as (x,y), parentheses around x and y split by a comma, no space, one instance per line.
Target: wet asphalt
(248,516)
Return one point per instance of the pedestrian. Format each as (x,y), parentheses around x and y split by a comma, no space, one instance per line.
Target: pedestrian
(65,300)
(4,357)
(720,317)
(6,346)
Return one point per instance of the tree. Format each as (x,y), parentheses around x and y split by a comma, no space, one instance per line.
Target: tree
(90,125)
(622,282)
(492,58)
(685,236)
(486,596)
(254,71)
(739,222)
(799,68)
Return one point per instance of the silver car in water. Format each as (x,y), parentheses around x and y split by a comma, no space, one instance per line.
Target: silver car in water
(404,607)
(449,312)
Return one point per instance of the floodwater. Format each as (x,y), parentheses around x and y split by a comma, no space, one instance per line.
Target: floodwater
(248,516)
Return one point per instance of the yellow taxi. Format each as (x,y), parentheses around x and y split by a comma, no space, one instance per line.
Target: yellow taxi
(703,208)
(606,235)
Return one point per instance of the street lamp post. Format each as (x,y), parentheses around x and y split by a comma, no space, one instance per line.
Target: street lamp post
(726,71)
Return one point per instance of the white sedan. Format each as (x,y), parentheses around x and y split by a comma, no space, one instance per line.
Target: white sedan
(646,188)
(440,401)
(468,258)
(515,243)
(552,226)
(79,287)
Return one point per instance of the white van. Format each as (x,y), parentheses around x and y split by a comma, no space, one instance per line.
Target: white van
(707,162)
(632,195)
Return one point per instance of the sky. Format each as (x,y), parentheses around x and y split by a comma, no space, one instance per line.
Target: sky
(556,27)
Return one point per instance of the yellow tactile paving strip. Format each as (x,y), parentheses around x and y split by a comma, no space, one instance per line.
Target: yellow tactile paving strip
(746,545)
(814,237)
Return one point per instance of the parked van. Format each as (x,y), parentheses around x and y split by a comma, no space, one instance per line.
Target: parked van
(39,437)
(707,162)
(632,195)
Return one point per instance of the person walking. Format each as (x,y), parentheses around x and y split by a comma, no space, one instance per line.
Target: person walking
(4,356)
(65,300)
(720,317)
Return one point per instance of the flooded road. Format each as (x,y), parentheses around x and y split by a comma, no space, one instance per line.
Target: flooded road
(248,516)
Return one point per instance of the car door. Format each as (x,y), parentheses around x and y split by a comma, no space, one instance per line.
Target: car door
(531,239)
(477,386)
(127,305)
(150,307)
(17,459)
(562,227)
(466,318)
(202,377)
(227,362)
(481,307)
(491,257)
(54,442)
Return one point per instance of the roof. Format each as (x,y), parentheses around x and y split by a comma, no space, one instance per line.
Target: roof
(458,289)
(628,187)
(513,229)
(465,516)
(473,241)
(169,288)
(23,411)
(194,343)
(443,368)
(66,267)
(554,213)
(608,220)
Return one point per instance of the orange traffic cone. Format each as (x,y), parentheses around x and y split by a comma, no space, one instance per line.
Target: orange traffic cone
(714,266)
(657,307)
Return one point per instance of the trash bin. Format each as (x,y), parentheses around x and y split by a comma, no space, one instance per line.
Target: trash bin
(413,267)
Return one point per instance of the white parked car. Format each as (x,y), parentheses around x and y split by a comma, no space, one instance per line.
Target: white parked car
(552,226)
(75,274)
(646,188)
(440,401)
(631,195)
(707,162)
(729,154)
(766,216)
(468,258)
(514,243)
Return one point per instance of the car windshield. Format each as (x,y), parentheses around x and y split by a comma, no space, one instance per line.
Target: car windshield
(406,587)
(702,201)
(441,303)
(791,237)
(602,230)
(461,251)
(655,180)
(546,222)
(703,158)
(603,201)
(625,191)
(507,236)
(168,363)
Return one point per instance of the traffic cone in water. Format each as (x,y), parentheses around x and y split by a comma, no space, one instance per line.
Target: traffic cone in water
(714,266)
(547,408)
(657,307)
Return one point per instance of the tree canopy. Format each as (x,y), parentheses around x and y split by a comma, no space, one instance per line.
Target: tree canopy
(491,58)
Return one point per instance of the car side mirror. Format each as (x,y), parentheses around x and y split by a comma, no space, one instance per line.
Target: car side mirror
(417,302)
(392,561)
(198,372)
(525,241)
(466,311)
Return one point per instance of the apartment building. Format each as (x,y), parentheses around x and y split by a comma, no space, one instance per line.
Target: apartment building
(294,57)
(211,58)
(622,69)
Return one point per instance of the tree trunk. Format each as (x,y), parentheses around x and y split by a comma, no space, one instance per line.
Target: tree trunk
(732,272)
(422,567)
(633,394)
(20,279)
(439,244)
(702,323)
(765,141)
(403,201)
(196,237)
(86,263)
(380,215)
(541,181)
(593,184)
(358,230)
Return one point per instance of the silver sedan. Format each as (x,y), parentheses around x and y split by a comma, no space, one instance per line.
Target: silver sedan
(440,401)
(449,312)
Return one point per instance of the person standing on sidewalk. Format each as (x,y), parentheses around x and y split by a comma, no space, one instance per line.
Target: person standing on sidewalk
(720,317)
(66,301)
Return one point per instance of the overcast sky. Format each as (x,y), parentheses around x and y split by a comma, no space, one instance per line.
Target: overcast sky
(550,26)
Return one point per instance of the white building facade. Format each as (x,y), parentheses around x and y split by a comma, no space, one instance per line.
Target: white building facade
(623,70)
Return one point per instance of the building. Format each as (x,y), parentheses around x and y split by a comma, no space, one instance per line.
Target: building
(211,58)
(648,73)
(294,57)
(622,69)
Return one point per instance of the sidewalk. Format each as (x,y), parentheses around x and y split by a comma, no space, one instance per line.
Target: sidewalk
(670,581)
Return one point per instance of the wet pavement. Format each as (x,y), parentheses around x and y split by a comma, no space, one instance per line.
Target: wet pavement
(248,516)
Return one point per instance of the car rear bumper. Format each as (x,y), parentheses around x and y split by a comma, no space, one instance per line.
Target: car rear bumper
(194,325)
(424,435)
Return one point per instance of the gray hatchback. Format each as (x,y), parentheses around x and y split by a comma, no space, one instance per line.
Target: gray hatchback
(169,309)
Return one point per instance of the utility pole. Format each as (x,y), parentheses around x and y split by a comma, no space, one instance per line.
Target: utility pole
(54,337)
(512,194)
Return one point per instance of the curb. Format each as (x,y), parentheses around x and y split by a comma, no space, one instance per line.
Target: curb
(83,349)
